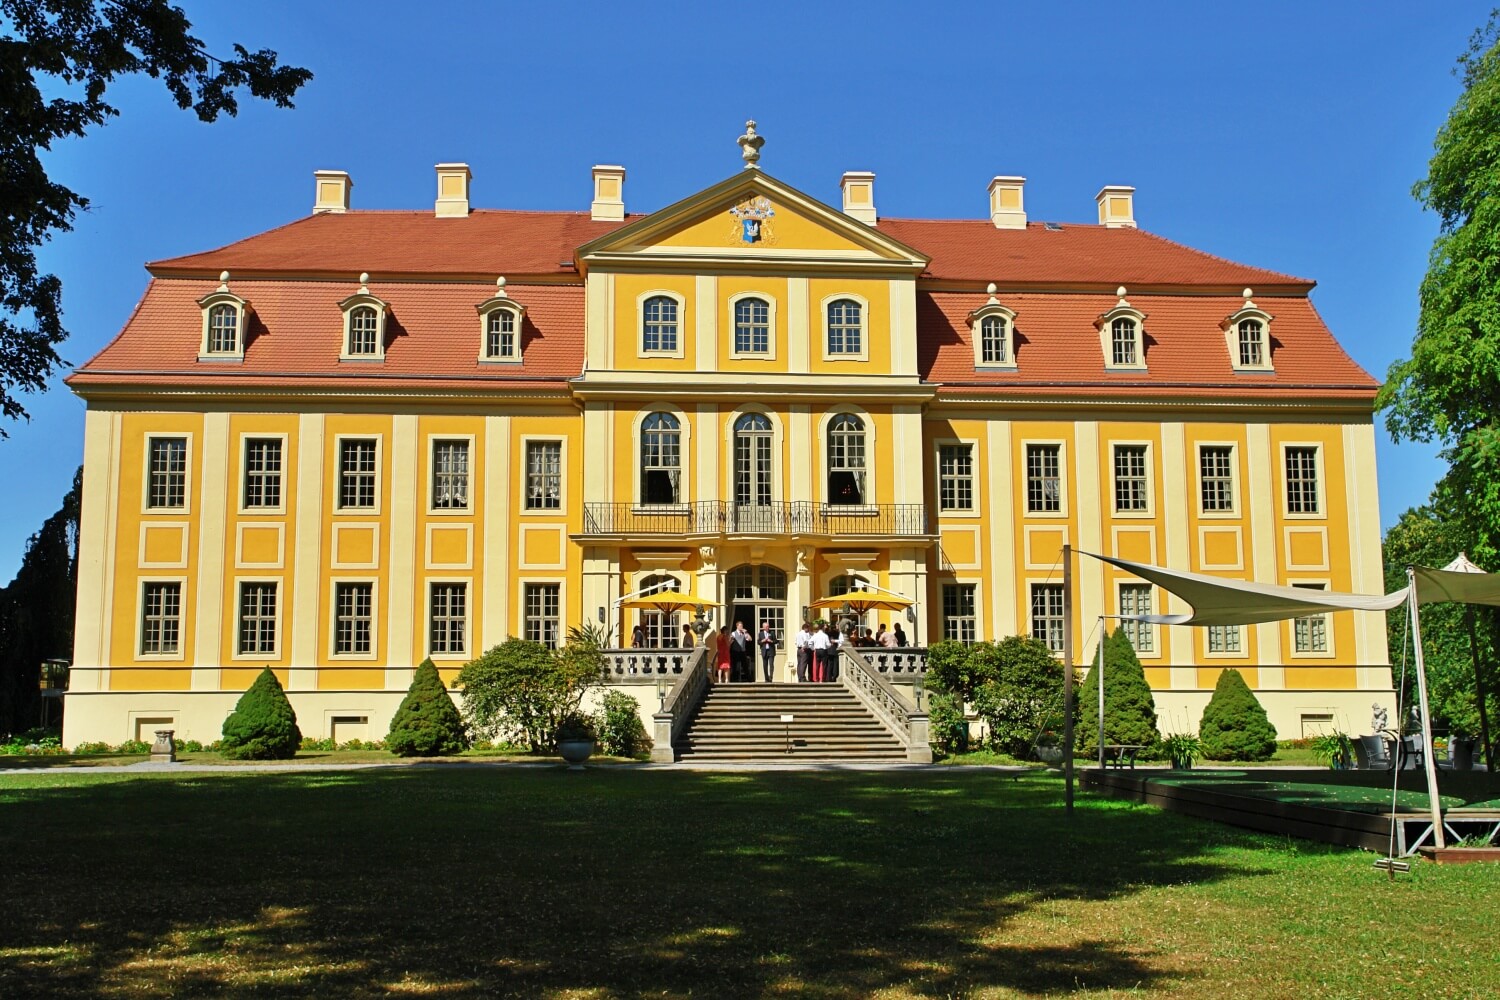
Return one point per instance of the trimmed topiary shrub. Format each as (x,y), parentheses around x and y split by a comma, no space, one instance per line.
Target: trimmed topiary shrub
(619,727)
(426,724)
(263,725)
(1129,709)
(1234,725)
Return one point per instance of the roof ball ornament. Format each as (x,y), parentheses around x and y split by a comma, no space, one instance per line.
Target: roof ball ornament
(990,290)
(500,287)
(750,144)
(364,282)
(1121,293)
(1247,293)
(223,281)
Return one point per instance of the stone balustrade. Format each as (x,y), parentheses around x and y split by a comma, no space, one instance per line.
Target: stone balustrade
(680,703)
(908,724)
(898,662)
(627,666)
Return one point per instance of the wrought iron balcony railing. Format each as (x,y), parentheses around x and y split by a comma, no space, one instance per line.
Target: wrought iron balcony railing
(717,517)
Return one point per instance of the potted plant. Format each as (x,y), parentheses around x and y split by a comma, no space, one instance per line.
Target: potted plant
(1183,748)
(575,739)
(1049,749)
(1335,749)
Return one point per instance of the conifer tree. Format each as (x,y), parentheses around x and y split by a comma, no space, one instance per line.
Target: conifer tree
(1234,725)
(1129,710)
(263,725)
(427,723)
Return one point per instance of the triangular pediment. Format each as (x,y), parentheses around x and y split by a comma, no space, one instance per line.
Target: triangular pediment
(749,217)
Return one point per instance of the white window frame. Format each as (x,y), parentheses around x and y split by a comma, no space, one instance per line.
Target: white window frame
(1106,325)
(974,509)
(239,596)
(680,351)
(337,479)
(1321,481)
(1152,633)
(977,589)
(1234,478)
(433,440)
(245,438)
(863,354)
(993,310)
(777,491)
(211,301)
(1231,328)
(769,354)
(333,618)
(1149,511)
(1029,594)
(466,654)
(1240,654)
(867,502)
(562,604)
(561,510)
(1062,478)
(182,619)
(684,458)
(382,312)
(1323,584)
(187,473)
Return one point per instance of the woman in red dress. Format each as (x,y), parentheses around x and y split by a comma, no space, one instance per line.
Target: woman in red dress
(721,660)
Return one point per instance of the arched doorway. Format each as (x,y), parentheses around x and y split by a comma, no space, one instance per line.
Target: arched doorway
(755,594)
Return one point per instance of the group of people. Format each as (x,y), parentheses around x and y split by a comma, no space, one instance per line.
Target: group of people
(735,659)
(817,645)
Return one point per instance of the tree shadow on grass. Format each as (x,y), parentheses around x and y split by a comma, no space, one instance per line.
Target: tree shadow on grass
(606,884)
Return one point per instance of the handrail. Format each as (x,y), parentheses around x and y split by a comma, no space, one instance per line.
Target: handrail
(908,725)
(779,517)
(679,705)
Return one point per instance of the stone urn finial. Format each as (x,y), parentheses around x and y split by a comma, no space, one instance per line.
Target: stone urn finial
(750,144)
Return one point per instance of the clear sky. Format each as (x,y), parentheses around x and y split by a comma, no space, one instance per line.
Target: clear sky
(1284,135)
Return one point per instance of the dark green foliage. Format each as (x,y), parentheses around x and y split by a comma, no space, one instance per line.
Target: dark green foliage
(521,691)
(1234,725)
(263,725)
(57,60)
(1129,710)
(947,728)
(1025,692)
(426,724)
(959,668)
(619,728)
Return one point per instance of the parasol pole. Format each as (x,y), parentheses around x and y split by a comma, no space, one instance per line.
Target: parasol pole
(1100,672)
(1067,614)
(1428,762)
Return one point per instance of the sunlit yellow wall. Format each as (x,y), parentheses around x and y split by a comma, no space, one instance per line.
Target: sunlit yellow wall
(1222,543)
(449,542)
(774,291)
(788,230)
(1136,536)
(966,536)
(1039,538)
(877,297)
(539,539)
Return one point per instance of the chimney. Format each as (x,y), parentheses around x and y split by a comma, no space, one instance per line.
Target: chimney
(331,191)
(1116,206)
(859,195)
(452,191)
(609,193)
(1007,206)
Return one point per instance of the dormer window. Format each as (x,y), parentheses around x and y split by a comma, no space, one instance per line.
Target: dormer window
(1247,335)
(1122,336)
(992,328)
(224,315)
(364,325)
(500,327)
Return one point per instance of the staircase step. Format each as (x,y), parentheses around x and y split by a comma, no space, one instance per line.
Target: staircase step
(742,722)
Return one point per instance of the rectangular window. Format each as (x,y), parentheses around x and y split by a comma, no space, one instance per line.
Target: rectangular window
(1302,480)
(1043,485)
(1223,638)
(543,475)
(1047,614)
(257,619)
(167,487)
(449,624)
(1310,634)
(958,612)
(1130,477)
(955,477)
(542,613)
(1135,599)
(352,606)
(357,473)
(450,475)
(263,472)
(1216,478)
(161,618)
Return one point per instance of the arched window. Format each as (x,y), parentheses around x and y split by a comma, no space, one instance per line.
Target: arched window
(364,332)
(846,460)
(1252,343)
(1124,342)
(752,326)
(994,341)
(659,324)
(660,630)
(845,327)
(223,329)
(752,460)
(500,335)
(661,459)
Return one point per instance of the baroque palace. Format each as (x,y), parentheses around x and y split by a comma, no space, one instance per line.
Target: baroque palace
(368,437)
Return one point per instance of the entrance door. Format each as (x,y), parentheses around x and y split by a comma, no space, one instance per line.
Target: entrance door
(754,510)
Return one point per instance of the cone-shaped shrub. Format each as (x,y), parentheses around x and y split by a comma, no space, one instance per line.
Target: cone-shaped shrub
(427,723)
(1234,725)
(263,725)
(1129,709)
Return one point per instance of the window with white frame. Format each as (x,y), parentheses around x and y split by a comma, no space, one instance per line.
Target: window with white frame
(364,332)
(994,341)
(1224,639)
(1310,634)
(1130,479)
(449,619)
(262,472)
(959,621)
(542,603)
(224,329)
(659,324)
(224,320)
(659,628)
(543,475)
(501,339)
(357,474)
(166,487)
(845,327)
(846,460)
(353,609)
(1043,478)
(661,459)
(956,477)
(1125,342)
(752,326)
(1216,478)
(257,631)
(450,474)
(1302,480)
(1247,335)
(1047,614)
(1135,599)
(161,619)
(1252,337)
(752,460)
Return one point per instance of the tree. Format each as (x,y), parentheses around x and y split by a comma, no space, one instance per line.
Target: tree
(426,723)
(521,690)
(1234,724)
(262,725)
(1025,693)
(57,60)
(955,670)
(1129,710)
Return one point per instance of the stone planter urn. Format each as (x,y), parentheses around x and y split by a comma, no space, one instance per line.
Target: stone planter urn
(1052,756)
(575,752)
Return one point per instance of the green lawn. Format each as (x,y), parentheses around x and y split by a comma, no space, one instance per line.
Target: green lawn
(622,883)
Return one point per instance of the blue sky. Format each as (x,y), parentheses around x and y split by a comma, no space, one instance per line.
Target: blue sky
(1284,135)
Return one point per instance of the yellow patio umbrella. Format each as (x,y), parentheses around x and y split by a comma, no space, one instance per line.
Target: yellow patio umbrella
(665,601)
(862,601)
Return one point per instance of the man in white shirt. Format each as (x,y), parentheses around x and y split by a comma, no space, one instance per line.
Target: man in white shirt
(804,653)
(820,644)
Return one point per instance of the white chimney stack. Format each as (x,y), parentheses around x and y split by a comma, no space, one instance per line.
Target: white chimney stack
(859,196)
(331,191)
(452,191)
(609,193)
(1007,204)
(1116,206)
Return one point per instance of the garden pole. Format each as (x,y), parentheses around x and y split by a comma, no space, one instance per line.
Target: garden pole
(1479,692)
(1067,651)
(1101,693)
(1427,753)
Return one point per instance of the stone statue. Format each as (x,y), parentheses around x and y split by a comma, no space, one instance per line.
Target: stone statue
(1380,721)
(750,144)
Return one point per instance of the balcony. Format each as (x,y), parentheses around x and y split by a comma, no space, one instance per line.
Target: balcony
(718,518)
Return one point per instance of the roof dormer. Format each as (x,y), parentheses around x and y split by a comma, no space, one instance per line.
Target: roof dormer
(364,325)
(1122,336)
(225,317)
(1247,335)
(992,329)
(500,318)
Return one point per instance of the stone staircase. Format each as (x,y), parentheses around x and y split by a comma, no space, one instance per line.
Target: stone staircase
(742,722)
